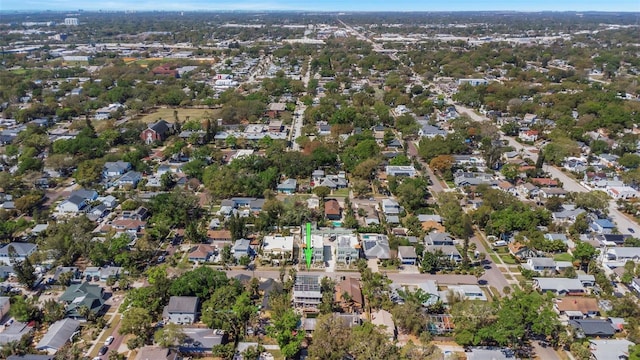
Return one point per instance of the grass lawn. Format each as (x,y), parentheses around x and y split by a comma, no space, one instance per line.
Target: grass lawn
(167,114)
(341,192)
(495,258)
(507,259)
(563,257)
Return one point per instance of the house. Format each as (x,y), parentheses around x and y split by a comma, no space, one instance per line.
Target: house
(376,246)
(157,131)
(307,294)
(58,335)
(541,265)
(384,320)
(528,135)
(610,349)
(592,328)
(622,192)
(141,213)
(347,249)
(408,171)
(391,207)
(465,292)
(131,178)
(407,255)
(74,204)
(544,182)
(288,186)
(462,179)
(105,112)
(602,226)
(242,247)
(156,353)
(114,169)
(275,126)
(317,248)
(546,193)
(437,238)
(349,293)
(521,251)
(219,238)
(16,252)
(472,82)
(165,69)
(559,286)
(332,210)
(201,253)
(468,160)
(569,213)
(278,246)
(622,254)
(201,340)
(448,252)
(577,307)
(14,331)
(430,131)
(82,295)
(181,310)
(276,109)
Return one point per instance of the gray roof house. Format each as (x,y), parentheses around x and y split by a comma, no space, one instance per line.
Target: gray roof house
(610,349)
(288,186)
(181,309)
(15,252)
(490,354)
(462,179)
(407,255)
(559,286)
(131,178)
(448,251)
(436,238)
(58,334)
(592,328)
(14,332)
(242,247)
(116,168)
(430,131)
(540,264)
(376,246)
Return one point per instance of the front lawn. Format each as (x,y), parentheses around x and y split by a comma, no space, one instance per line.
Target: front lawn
(563,257)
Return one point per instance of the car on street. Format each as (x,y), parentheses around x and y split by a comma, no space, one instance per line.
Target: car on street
(103,350)
(109,341)
(631,230)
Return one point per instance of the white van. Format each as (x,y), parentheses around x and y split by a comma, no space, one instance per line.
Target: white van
(499,243)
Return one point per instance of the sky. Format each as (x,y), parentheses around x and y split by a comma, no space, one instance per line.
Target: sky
(325,5)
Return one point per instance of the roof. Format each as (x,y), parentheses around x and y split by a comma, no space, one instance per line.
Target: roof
(544,262)
(14,332)
(593,327)
(332,207)
(376,246)
(201,251)
(58,334)
(277,106)
(161,126)
(385,319)
(610,349)
(183,304)
(155,353)
(559,284)
(584,305)
(271,243)
(242,244)
(20,248)
(288,184)
(407,252)
(350,286)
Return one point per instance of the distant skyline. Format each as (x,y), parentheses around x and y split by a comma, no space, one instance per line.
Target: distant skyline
(323,5)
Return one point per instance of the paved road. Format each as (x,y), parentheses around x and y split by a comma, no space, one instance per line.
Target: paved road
(397,277)
(436,185)
(493,276)
(298,115)
(544,353)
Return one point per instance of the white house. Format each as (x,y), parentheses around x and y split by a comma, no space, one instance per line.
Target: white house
(409,171)
(528,135)
(16,252)
(622,192)
(391,207)
(181,309)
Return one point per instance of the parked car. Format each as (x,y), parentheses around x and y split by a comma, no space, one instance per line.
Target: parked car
(103,350)
(109,341)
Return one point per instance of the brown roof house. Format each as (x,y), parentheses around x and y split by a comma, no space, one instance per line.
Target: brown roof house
(332,210)
(349,295)
(577,307)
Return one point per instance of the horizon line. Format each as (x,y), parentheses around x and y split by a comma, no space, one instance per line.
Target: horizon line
(30,11)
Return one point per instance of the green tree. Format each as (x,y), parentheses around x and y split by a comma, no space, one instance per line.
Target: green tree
(584,252)
(369,342)
(284,331)
(136,321)
(25,272)
(330,339)
(170,335)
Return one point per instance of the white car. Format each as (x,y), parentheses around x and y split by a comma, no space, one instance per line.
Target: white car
(109,341)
